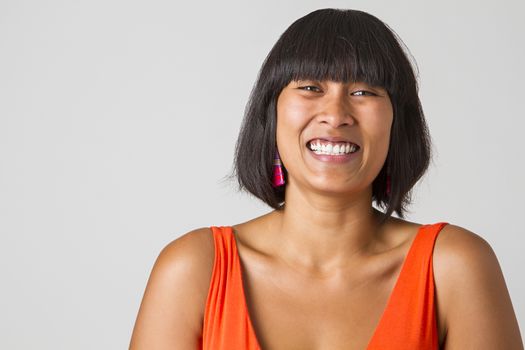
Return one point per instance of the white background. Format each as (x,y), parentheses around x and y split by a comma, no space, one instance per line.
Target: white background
(117,127)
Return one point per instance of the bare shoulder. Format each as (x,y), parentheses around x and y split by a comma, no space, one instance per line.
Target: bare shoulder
(459,251)
(193,251)
(474,306)
(191,255)
(172,309)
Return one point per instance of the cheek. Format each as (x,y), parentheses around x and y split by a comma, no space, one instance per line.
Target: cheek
(377,125)
(291,113)
(380,121)
(292,117)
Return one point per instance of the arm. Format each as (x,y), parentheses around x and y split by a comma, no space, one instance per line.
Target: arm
(473,300)
(171,312)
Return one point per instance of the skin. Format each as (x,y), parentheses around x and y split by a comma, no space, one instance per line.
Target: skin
(318,274)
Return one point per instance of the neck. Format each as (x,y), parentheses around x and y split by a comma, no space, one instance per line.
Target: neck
(320,233)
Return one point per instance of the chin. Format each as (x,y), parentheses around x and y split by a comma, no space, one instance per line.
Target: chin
(334,188)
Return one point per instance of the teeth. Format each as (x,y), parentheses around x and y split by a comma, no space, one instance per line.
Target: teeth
(328,148)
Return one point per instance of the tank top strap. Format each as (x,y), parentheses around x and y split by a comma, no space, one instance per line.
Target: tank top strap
(409,321)
(226,323)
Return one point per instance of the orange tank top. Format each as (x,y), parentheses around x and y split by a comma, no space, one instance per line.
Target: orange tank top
(407,323)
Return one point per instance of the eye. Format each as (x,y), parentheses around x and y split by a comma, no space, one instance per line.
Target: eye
(363,93)
(311,88)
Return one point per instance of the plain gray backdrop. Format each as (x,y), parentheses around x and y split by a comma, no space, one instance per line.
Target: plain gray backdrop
(117,126)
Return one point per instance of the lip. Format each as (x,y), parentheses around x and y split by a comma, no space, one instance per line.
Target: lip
(333,139)
(338,159)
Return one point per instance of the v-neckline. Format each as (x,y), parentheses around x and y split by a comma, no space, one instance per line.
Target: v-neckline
(390,299)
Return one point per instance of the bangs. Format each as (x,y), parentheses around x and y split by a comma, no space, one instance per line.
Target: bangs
(337,46)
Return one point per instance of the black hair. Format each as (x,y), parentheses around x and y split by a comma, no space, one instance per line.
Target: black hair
(343,46)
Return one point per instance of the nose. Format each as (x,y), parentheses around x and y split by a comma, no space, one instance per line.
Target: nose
(336,111)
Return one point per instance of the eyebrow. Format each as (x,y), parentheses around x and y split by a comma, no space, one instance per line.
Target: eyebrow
(306,81)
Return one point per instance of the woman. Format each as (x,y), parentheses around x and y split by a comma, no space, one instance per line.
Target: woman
(334,124)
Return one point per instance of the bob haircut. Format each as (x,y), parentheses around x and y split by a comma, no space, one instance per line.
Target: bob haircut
(342,46)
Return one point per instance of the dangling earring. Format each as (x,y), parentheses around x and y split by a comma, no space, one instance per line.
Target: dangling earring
(278,176)
(388,181)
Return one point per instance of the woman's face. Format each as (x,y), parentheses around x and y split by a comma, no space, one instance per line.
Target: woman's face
(333,137)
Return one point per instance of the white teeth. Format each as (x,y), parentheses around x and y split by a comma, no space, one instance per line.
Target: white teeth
(331,149)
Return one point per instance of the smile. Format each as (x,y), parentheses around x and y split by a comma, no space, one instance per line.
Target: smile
(332,148)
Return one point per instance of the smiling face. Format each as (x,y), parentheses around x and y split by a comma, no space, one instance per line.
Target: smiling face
(333,137)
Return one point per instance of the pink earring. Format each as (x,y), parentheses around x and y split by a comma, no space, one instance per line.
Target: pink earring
(278,176)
